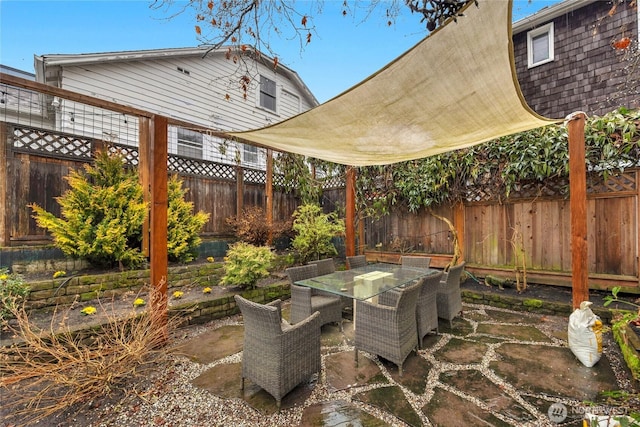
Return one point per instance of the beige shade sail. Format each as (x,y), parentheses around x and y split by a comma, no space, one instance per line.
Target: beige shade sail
(454,89)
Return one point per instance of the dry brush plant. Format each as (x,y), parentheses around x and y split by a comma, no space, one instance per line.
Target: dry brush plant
(50,370)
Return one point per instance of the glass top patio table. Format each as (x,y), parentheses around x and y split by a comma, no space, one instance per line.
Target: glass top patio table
(363,283)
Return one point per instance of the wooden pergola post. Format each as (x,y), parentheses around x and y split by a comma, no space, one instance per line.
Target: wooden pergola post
(159,203)
(269,195)
(350,214)
(578,208)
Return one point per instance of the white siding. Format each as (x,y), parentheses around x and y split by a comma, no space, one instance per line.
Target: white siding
(205,91)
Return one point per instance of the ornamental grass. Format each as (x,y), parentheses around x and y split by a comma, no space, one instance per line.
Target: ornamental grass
(51,370)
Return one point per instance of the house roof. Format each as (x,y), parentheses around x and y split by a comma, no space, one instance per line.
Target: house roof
(61,60)
(454,89)
(548,13)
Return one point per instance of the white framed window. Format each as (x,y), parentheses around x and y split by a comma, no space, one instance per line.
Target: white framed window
(540,45)
(189,143)
(267,93)
(250,155)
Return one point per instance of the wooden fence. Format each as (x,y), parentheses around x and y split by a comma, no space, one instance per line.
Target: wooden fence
(497,236)
(37,160)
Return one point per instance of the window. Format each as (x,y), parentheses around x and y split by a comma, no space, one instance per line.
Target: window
(267,93)
(540,45)
(250,155)
(189,143)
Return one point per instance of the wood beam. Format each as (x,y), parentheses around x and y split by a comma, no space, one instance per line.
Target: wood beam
(350,214)
(159,205)
(578,208)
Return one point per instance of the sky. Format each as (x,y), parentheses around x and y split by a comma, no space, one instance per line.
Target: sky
(344,51)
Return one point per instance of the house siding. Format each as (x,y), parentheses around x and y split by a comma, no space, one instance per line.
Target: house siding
(587,73)
(203,91)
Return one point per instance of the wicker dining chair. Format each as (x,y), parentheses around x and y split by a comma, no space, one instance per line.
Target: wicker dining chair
(328,266)
(356,261)
(277,356)
(388,331)
(325,266)
(427,307)
(305,300)
(449,297)
(415,261)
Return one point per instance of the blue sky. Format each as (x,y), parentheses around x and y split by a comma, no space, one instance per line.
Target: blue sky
(345,51)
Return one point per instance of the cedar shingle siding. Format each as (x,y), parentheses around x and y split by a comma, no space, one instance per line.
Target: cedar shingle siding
(587,71)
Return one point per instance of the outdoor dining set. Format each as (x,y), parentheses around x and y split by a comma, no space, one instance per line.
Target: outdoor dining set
(394,307)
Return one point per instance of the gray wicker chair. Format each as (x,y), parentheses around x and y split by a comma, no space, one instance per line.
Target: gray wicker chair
(328,266)
(388,331)
(356,261)
(415,261)
(277,356)
(449,297)
(305,300)
(426,307)
(325,266)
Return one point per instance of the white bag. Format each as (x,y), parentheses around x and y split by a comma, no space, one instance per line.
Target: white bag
(585,335)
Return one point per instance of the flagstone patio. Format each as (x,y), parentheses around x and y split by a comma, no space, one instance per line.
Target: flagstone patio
(495,367)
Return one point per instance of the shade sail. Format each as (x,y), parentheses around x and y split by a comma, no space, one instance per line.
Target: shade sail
(454,89)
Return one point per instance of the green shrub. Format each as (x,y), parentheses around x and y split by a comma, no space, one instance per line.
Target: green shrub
(12,291)
(103,212)
(314,231)
(245,264)
(183,227)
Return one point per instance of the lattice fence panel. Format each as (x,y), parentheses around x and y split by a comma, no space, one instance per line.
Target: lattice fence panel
(331,182)
(130,154)
(623,182)
(197,167)
(42,141)
(255,176)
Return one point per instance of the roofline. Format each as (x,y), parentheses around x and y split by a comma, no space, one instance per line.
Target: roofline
(43,61)
(547,14)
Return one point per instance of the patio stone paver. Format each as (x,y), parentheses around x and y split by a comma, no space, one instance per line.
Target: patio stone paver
(502,317)
(554,371)
(338,413)
(391,399)
(513,332)
(461,351)
(472,382)
(448,409)
(342,372)
(213,345)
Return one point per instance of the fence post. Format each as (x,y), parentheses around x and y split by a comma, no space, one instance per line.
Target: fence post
(6,160)
(578,207)
(239,191)
(143,175)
